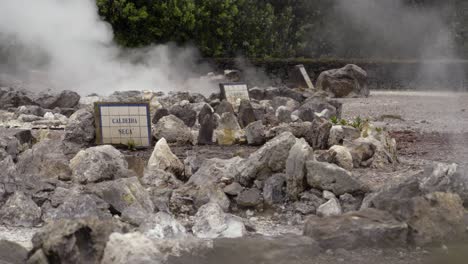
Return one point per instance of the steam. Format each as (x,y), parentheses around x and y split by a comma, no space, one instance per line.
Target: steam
(66,43)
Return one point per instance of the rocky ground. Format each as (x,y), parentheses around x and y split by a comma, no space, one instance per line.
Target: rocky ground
(291,176)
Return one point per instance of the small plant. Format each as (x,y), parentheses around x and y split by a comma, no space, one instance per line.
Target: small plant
(334,120)
(343,122)
(379,130)
(357,123)
(131,144)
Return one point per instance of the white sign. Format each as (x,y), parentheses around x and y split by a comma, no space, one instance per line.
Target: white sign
(234,92)
(123,124)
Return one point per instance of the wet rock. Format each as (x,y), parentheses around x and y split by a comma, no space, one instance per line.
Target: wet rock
(13,98)
(20,210)
(330,177)
(73,241)
(162,158)
(76,206)
(349,81)
(330,208)
(274,189)
(207,123)
(162,226)
(342,157)
(249,198)
(131,248)
(224,107)
(47,159)
(368,228)
(228,131)
(349,203)
(126,196)
(185,113)
(338,134)
(246,113)
(267,160)
(160,113)
(255,133)
(98,164)
(80,128)
(212,222)
(12,253)
(233,189)
(295,168)
(173,130)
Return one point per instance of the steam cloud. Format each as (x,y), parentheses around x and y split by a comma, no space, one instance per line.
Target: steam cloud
(67,44)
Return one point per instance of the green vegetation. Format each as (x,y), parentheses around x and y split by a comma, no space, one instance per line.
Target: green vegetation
(274,28)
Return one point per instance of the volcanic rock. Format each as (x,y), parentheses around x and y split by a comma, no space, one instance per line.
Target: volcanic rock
(12,253)
(212,170)
(283,115)
(255,133)
(249,198)
(342,157)
(20,210)
(13,98)
(173,130)
(212,222)
(160,113)
(368,228)
(274,189)
(131,248)
(207,123)
(349,203)
(162,226)
(330,208)
(185,113)
(80,128)
(162,158)
(229,130)
(65,99)
(338,134)
(233,189)
(299,154)
(246,113)
(224,107)
(330,177)
(9,178)
(349,81)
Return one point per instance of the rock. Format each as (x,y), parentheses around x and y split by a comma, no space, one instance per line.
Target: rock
(98,164)
(131,248)
(207,123)
(9,178)
(224,107)
(295,167)
(185,113)
(318,104)
(162,158)
(212,170)
(267,160)
(349,81)
(349,203)
(368,228)
(283,115)
(12,253)
(338,134)
(246,113)
(73,241)
(29,118)
(228,130)
(342,157)
(24,136)
(126,196)
(330,208)
(13,98)
(212,222)
(65,99)
(255,133)
(330,177)
(160,113)
(20,210)
(319,134)
(47,159)
(249,198)
(76,206)
(287,103)
(211,194)
(162,226)
(274,189)
(328,195)
(80,128)
(160,179)
(173,130)
(362,152)
(304,208)
(233,189)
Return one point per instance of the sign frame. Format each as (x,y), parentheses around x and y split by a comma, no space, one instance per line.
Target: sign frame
(98,121)
(223,90)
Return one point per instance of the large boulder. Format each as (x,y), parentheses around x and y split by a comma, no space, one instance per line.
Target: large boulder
(9,178)
(316,105)
(212,170)
(327,176)
(80,128)
(212,222)
(98,164)
(12,253)
(13,98)
(228,131)
(162,158)
(367,228)
(20,210)
(246,113)
(349,81)
(64,99)
(131,248)
(299,154)
(47,159)
(72,241)
(173,130)
(184,111)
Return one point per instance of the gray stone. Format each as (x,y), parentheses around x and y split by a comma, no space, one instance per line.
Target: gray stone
(9,178)
(330,177)
(338,134)
(318,104)
(249,198)
(349,203)
(296,169)
(288,103)
(349,81)
(78,205)
(64,99)
(20,210)
(12,253)
(162,226)
(330,208)
(80,128)
(212,170)
(160,113)
(255,133)
(162,158)
(212,222)
(185,113)
(160,179)
(328,195)
(228,131)
(233,189)
(207,123)
(283,114)
(367,228)
(29,118)
(224,107)
(13,98)
(246,113)
(173,130)
(210,194)
(98,164)
(305,208)
(274,189)
(342,157)
(131,248)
